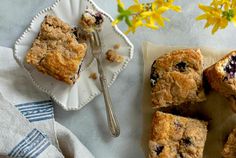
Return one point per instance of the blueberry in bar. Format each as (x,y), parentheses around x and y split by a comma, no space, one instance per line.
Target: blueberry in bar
(221,77)
(56,51)
(229,150)
(176,78)
(230,67)
(176,137)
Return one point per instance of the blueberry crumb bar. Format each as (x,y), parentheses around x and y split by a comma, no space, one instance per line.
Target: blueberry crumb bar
(221,77)
(176,137)
(56,51)
(176,78)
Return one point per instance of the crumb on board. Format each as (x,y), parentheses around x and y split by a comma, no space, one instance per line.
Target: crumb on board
(93,75)
(112,56)
(116,46)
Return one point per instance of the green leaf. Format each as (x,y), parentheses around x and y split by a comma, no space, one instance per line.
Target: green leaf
(228,14)
(120,8)
(231,12)
(120,17)
(127,12)
(128,22)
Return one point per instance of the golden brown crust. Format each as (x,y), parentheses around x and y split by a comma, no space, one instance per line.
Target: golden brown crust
(56,51)
(229,150)
(177,78)
(174,136)
(216,77)
(221,80)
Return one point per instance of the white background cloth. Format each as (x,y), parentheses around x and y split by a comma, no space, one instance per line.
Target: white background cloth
(18,89)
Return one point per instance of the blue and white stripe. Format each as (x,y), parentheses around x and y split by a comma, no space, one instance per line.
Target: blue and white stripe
(37,111)
(31,146)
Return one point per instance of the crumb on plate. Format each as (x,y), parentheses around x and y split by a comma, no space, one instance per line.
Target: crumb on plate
(116,46)
(93,75)
(112,56)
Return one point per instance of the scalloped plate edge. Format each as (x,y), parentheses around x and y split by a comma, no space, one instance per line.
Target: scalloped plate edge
(93,95)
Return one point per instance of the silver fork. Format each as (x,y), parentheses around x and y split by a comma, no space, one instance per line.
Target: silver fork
(96,47)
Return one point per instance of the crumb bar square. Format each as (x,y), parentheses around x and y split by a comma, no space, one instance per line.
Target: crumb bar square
(56,51)
(221,77)
(176,78)
(177,137)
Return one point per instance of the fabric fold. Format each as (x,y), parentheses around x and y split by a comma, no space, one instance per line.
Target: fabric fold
(27,125)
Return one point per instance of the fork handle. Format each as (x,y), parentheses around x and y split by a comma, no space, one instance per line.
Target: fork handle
(111,117)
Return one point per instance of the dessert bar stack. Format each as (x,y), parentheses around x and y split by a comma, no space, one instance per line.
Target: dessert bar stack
(177,79)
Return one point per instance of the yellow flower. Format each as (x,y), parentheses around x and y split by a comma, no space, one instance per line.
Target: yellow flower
(145,14)
(115,22)
(155,16)
(221,3)
(137,7)
(168,4)
(233,4)
(218,14)
(215,16)
(121,4)
(135,24)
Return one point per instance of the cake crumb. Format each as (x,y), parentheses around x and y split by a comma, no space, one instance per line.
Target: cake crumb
(116,46)
(93,75)
(91,20)
(112,56)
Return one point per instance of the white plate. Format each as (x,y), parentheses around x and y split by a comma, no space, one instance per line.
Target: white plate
(85,89)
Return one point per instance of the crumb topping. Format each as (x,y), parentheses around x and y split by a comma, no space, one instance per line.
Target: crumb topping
(56,51)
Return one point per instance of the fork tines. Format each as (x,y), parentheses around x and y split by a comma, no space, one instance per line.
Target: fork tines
(95,39)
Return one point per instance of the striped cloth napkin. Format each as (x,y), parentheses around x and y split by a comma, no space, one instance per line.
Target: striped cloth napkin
(19,138)
(27,125)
